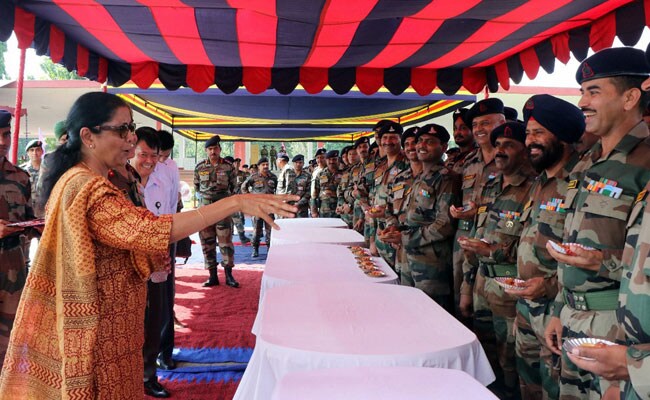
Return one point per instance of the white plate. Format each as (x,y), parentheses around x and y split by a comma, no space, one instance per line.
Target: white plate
(571,344)
(501,280)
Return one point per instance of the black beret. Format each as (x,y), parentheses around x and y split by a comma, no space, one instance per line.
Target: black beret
(373,146)
(298,157)
(262,160)
(245,166)
(5,119)
(381,124)
(361,140)
(229,159)
(618,61)
(312,162)
(410,132)
(320,151)
(560,117)
(34,143)
(237,159)
(484,107)
(284,157)
(434,130)
(460,113)
(511,130)
(213,141)
(332,154)
(510,113)
(345,150)
(391,127)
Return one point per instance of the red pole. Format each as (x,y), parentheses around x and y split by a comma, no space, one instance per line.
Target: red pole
(19,105)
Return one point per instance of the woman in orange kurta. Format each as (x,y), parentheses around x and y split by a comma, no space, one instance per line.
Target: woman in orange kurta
(79,327)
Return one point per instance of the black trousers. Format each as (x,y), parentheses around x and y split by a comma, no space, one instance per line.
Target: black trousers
(167,330)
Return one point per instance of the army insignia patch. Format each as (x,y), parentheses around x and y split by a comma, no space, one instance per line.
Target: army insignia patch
(529,204)
(510,224)
(641,196)
(481,209)
(468,177)
(573,184)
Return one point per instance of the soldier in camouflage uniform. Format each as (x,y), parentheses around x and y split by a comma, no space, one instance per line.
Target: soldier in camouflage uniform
(15,206)
(343,208)
(464,140)
(302,183)
(238,219)
(398,190)
(361,145)
(320,164)
(263,182)
(493,244)
(553,125)
(215,179)
(396,162)
(286,177)
(324,186)
(601,193)
(34,150)
(428,230)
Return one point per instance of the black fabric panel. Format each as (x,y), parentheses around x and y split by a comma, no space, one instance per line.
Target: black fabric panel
(217,25)
(515,69)
(546,57)
(118,73)
(297,25)
(450,80)
(630,21)
(579,42)
(341,80)
(41,37)
(93,67)
(137,23)
(70,55)
(7,15)
(397,80)
(284,80)
(492,79)
(172,76)
(228,79)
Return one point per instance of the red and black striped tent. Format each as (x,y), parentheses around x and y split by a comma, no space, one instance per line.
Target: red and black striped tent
(280,44)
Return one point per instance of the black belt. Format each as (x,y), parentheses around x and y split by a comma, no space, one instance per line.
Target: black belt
(10,242)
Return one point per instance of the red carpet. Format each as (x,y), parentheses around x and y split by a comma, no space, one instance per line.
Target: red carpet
(187,390)
(219,316)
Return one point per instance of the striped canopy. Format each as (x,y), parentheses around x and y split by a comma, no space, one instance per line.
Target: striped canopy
(280,44)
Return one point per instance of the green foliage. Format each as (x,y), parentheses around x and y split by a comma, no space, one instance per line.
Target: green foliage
(3,70)
(57,71)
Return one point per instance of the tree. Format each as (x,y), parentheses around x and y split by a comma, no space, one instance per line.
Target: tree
(57,72)
(3,70)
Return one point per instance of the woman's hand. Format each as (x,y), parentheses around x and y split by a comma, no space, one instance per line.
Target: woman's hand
(262,205)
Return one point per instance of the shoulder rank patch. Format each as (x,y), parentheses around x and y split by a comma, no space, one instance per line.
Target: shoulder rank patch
(529,204)
(468,177)
(641,195)
(572,184)
(481,209)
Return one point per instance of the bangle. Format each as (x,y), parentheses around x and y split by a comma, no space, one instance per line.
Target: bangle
(205,223)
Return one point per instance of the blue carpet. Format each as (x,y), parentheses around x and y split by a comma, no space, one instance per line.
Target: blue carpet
(213,355)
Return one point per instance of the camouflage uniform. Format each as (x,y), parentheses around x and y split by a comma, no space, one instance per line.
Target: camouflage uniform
(258,183)
(372,177)
(356,175)
(587,300)
(346,176)
(15,206)
(238,218)
(382,183)
(498,221)
(286,181)
(634,297)
(216,182)
(39,212)
(303,185)
(398,191)
(457,163)
(429,234)
(474,174)
(323,193)
(543,219)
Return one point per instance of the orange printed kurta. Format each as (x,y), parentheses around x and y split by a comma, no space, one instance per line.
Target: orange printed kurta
(79,328)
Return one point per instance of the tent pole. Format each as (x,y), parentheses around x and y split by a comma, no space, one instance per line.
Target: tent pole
(18,111)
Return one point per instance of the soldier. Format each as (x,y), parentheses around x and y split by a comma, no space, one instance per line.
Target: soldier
(273,154)
(511,114)
(286,177)
(398,190)
(238,219)
(601,193)
(552,127)
(264,153)
(356,180)
(323,192)
(428,231)
(494,240)
(344,208)
(483,117)
(34,150)
(464,140)
(319,162)
(302,182)
(215,179)
(396,162)
(263,182)
(343,162)
(15,206)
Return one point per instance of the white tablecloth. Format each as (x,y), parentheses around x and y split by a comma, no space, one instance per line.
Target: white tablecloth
(336,325)
(380,383)
(317,262)
(317,235)
(310,223)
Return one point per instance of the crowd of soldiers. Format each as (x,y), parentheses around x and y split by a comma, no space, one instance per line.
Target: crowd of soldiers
(556,200)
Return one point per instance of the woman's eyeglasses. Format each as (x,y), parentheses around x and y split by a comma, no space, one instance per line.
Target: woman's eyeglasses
(122,130)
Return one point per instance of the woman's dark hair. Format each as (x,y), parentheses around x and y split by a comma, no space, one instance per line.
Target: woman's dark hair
(149,136)
(89,110)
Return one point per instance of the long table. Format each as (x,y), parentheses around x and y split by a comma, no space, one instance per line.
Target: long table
(310,223)
(337,325)
(373,383)
(317,235)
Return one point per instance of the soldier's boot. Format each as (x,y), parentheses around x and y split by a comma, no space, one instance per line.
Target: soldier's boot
(243,238)
(213,280)
(230,280)
(256,250)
